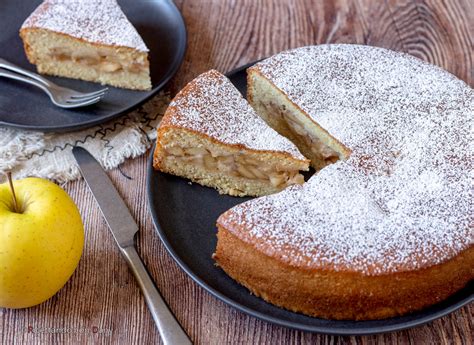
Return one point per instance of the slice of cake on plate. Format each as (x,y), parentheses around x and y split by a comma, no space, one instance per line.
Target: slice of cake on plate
(88,40)
(211,135)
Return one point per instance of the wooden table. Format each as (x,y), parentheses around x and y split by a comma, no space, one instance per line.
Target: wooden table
(102,303)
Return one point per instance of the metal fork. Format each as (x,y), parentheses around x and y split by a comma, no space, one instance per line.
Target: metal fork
(60,96)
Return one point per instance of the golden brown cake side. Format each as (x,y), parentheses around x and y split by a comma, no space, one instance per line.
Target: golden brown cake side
(340,295)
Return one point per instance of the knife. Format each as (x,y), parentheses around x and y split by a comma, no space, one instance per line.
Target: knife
(124,228)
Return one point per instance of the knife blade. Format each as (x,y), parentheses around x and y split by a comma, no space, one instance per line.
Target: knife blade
(112,206)
(123,228)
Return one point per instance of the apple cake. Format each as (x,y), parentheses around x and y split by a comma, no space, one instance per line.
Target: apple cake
(386,226)
(87,40)
(210,135)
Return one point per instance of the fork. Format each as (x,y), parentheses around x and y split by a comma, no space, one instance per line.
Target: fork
(60,96)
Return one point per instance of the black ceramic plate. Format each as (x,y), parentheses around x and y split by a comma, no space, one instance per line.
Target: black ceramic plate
(23,106)
(185,215)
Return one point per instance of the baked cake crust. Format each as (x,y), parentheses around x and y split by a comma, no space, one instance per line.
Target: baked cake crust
(395,214)
(339,295)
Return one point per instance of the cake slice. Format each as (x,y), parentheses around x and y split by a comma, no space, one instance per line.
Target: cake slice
(87,40)
(212,136)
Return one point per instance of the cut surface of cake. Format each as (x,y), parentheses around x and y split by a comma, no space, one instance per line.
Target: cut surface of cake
(385,230)
(87,40)
(212,136)
(287,118)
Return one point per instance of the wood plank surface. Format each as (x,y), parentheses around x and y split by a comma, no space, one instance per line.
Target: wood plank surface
(102,303)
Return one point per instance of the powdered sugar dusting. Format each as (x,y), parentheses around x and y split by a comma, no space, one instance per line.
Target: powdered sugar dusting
(404,198)
(98,21)
(211,105)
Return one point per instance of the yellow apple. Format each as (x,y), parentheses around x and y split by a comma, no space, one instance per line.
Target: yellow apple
(41,241)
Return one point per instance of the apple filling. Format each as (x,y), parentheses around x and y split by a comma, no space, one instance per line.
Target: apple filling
(289,123)
(237,165)
(101,60)
(317,147)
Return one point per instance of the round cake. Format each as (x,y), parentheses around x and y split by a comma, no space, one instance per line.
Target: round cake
(386,226)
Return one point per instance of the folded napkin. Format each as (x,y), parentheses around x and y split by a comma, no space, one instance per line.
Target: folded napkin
(49,155)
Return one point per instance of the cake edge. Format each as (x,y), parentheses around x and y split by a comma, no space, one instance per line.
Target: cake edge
(340,295)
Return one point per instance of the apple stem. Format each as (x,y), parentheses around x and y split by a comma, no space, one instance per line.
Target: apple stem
(10,182)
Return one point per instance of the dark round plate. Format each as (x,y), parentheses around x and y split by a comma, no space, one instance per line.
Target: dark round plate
(23,106)
(185,216)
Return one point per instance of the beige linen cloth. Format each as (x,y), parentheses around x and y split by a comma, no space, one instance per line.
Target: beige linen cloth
(49,155)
